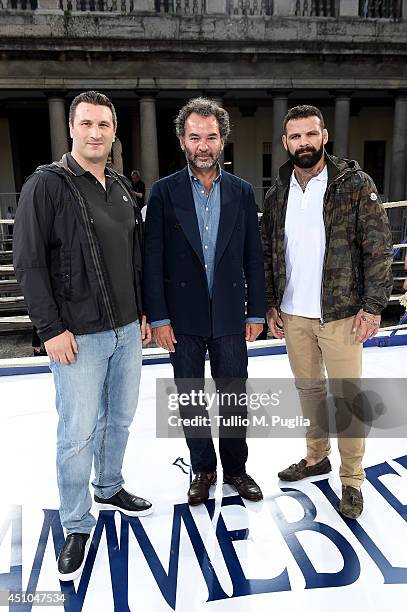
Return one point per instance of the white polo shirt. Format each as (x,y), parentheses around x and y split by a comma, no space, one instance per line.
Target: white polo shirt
(304,245)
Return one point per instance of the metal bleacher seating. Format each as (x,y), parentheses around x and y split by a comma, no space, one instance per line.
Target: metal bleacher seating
(13,309)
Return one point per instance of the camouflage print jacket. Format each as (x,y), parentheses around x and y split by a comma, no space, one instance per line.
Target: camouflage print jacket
(358,254)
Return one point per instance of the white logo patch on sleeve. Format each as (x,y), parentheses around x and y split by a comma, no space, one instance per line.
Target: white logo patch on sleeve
(373,196)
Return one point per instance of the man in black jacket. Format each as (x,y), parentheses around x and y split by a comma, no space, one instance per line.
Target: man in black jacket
(77,257)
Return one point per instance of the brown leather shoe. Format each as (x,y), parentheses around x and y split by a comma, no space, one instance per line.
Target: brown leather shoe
(298,471)
(245,486)
(351,504)
(198,492)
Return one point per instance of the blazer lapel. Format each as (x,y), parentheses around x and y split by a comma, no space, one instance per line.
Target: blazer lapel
(184,208)
(230,193)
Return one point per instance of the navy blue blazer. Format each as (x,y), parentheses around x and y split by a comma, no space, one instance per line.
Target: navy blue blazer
(175,283)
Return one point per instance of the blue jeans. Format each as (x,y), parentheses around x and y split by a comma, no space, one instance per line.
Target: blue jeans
(96,398)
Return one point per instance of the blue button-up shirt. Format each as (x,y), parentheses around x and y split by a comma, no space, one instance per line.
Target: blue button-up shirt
(207,208)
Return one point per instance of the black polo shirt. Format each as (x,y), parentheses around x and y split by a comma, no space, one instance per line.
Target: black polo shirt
(114,222)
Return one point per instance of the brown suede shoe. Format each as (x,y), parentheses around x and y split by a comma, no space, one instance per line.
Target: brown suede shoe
(245,486)
(351,504)
(198,492)
(298,471)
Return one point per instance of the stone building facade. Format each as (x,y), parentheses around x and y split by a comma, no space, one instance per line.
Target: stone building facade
(258,57)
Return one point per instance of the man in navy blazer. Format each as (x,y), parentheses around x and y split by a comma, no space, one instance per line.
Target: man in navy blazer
(202,247)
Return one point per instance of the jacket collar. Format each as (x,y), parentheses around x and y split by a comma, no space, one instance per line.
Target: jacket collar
(335,167)
(184,208)
(69,164)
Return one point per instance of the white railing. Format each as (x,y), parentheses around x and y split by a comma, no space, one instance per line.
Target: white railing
(174,7)
(100,6)
(380,9)
(373,9)
(316,8)
(18,5)
(249,7)
(182,7)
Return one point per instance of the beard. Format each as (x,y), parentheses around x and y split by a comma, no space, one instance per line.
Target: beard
(307,161)
(200,164)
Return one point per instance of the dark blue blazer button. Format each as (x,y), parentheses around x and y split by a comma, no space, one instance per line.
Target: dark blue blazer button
(234,284)
(182,284)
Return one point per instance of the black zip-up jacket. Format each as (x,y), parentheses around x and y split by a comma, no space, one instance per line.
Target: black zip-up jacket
(57,257)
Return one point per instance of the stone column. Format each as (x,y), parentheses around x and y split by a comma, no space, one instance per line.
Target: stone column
(58,127)
(7,184)
(341,132)
(278,154)
(135,139)
(399,151)
(117,156)
(148,140)
(217,97)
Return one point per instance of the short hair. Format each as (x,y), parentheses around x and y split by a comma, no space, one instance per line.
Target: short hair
(302,112)
(204,107)
(92,97)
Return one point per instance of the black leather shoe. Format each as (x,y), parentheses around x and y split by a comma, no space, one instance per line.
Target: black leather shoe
(198,492)
(125,502)
(298,471)
(72,557)
(245,486)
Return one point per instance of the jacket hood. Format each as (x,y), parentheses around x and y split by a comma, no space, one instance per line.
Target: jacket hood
(59,167)
(62,168)
(63,163)
(336,166)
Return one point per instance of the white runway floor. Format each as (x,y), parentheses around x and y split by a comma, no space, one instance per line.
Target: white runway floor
(239,556)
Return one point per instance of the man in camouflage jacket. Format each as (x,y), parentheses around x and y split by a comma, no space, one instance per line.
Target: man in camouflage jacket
(328,252)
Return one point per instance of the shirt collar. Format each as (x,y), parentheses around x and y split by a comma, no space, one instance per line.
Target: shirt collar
(74,166)
(77,168)
(195,178)
(322,176)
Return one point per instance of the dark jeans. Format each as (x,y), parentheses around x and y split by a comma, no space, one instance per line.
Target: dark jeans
(228,360)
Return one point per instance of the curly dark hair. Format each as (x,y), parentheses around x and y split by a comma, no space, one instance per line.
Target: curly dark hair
(204,107)
(92,97)
(302,112)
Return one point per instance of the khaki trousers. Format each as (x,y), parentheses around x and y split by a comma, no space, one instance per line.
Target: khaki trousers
(334,346)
